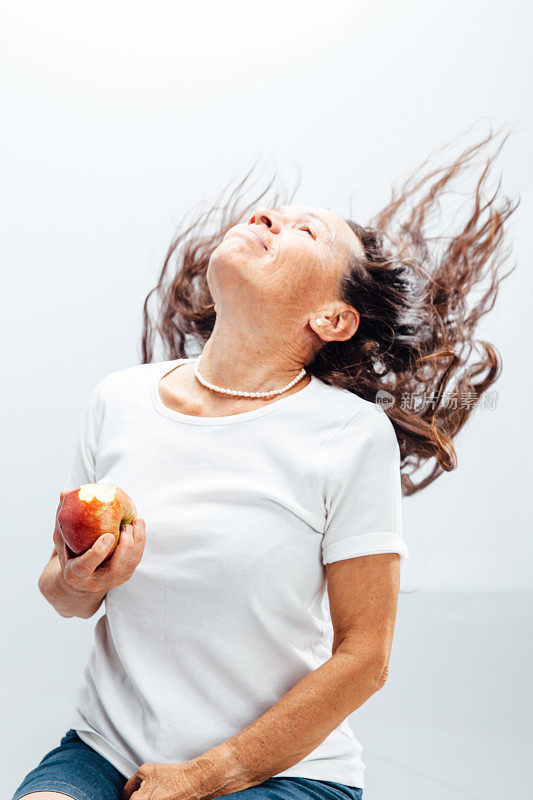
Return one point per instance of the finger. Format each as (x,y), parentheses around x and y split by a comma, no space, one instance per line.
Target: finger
(138,530)
(56,536)
(80,567)
(131,786)
(139,538)
(123,553)
(69,553)
(57,526)
(60,547)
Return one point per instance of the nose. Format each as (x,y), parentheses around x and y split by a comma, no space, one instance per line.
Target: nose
(268,217)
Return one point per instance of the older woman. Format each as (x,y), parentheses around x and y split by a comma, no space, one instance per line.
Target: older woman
(257,613)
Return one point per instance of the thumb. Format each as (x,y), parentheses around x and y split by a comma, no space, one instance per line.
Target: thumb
(85,564)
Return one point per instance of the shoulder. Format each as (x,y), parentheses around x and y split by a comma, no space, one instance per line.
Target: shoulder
(128,379)
(136,373)
(353,419)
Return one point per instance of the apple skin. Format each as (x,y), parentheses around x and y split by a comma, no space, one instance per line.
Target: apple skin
(91,510)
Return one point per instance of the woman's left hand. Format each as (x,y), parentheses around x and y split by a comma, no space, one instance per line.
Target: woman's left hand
(164,782)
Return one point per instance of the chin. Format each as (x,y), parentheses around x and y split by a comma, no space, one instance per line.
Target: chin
(231,266)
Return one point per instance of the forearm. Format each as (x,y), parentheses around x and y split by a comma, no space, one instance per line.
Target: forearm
(68,601)
(290,729)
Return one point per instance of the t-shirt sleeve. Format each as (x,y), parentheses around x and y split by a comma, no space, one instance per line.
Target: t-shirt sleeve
(362,490)
(83,467)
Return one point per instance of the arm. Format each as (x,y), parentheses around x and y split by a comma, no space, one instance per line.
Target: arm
(363,594)
(67,600)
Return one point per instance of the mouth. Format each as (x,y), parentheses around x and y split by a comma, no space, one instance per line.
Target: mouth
(259,239)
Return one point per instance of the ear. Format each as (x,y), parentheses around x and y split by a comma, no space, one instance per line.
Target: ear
(337,325)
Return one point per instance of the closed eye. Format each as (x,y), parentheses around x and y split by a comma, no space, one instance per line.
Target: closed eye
(309,231)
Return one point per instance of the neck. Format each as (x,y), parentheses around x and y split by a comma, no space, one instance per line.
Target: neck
(235,360)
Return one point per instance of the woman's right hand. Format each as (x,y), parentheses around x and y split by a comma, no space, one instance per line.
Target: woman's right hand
(86,572)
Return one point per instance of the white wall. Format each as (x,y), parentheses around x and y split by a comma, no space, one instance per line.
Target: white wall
(120,116)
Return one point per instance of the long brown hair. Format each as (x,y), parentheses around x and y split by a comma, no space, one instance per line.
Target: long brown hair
(414,293)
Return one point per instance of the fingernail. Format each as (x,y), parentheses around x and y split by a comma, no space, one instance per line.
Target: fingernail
(107,539)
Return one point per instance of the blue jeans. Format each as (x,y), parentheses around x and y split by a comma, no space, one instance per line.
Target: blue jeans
(75,769)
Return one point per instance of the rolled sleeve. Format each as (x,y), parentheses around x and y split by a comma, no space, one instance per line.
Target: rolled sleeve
(363,494)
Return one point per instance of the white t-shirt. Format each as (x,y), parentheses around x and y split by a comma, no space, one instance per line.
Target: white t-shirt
(228,608)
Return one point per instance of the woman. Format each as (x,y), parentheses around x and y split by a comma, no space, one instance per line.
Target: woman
(257,613)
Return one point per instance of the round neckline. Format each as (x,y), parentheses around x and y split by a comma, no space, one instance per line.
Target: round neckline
(168,366)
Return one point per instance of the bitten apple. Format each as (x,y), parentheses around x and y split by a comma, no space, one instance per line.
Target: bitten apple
(91,510)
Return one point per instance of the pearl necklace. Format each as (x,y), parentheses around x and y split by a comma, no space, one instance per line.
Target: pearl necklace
(271,393)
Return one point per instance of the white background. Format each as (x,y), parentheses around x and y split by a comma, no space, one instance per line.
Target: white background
(118,117)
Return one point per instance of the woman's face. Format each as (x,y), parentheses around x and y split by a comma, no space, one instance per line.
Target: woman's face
(283,263)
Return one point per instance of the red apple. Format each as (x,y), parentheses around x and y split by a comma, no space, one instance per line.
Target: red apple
(91,510)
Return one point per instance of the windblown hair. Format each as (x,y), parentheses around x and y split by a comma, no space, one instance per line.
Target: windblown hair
(414,294)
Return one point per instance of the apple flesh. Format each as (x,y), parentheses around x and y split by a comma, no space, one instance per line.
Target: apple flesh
(91,510)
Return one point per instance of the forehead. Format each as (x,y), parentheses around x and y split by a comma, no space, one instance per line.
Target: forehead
(336,229)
